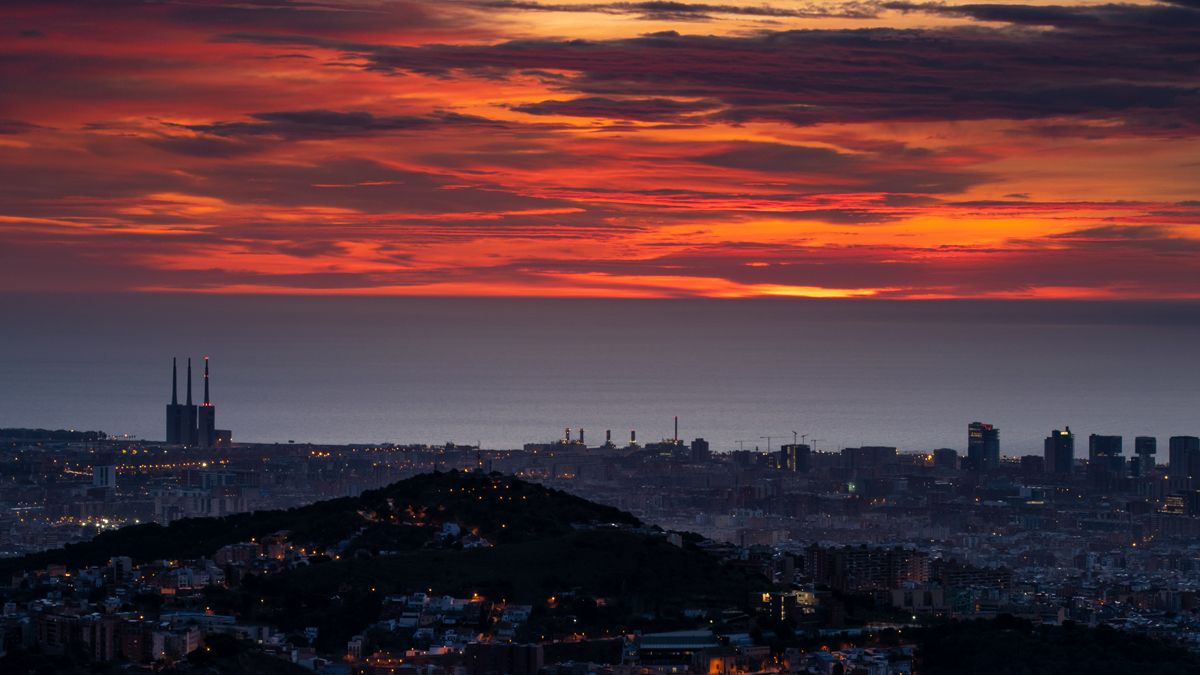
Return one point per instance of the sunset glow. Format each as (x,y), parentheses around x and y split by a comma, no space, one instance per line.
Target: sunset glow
(657,149)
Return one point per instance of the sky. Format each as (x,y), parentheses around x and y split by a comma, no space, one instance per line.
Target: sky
(887,149)
(509,371)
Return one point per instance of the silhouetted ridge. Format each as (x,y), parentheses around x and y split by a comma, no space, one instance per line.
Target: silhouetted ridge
(406,515)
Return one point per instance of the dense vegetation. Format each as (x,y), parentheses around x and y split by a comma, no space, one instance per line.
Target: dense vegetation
(606,569)
(51,435)
(1009,646)
(221,654)
(401,516)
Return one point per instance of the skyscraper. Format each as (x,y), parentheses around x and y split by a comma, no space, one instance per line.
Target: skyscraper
(206,421)
(1184,457)
(1105,463)
(1059,451)
(983,446)
(1144,448)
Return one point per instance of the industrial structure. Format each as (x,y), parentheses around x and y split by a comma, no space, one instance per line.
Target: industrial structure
(189,424)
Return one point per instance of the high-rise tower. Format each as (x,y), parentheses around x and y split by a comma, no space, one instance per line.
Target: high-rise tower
(983,446)
(206,420)
(1184,460)
(1105,462)
(1060,452)
(1144,447)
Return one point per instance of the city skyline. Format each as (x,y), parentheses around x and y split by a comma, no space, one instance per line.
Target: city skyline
(508,371)
(480,148)
(803,337)
(193,426)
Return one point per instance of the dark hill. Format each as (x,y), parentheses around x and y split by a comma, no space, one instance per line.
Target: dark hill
(456,534)
(402,516)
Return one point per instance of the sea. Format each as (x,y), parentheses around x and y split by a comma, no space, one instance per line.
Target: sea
(504,372)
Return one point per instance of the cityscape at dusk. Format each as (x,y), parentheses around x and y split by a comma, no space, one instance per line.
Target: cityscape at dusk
(581,337)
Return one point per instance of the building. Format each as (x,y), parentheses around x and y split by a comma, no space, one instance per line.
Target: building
(794,457)
(1105,463)
(1144,449)
(1033,467)
(945,458)
(104,476)
(189,424)
(983,446)
(1059,452)
(860,568)
(490,658)
(869,457)
(1184,458)
(953,574)
(677,651)
(700,450)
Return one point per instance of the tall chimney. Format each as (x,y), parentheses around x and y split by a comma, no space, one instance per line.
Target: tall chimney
(189,385)
(608,435)
(581,435)
(677,428)
(174,382)
(206,381)
(633,436)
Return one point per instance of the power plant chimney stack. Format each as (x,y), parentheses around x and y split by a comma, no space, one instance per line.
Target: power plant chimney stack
(187,414)
(206,417)
(581,436)
(174,410)
(677,428)
(633,436)
(608,436)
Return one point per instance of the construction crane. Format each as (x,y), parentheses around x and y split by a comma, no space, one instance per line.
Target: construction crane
(796,434)
(768,439)
(815,441)
(742,444)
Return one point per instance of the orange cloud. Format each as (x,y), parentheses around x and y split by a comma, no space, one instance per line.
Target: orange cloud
(601,149)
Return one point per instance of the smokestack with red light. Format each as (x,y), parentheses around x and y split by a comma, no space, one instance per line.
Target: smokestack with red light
(206,417)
